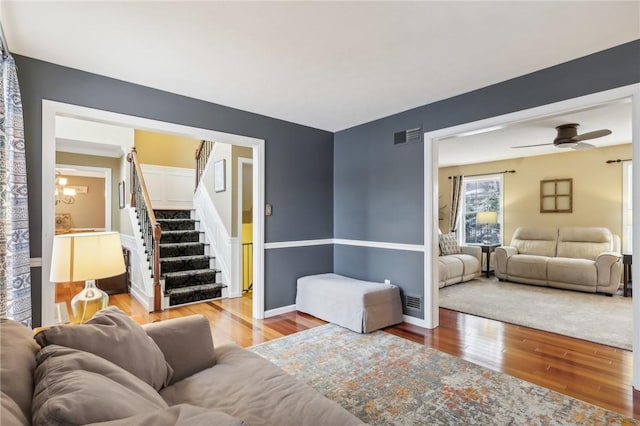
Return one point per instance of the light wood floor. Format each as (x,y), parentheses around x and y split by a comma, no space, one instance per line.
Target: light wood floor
(598,374)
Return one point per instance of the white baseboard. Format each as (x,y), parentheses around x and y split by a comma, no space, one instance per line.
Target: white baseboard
(415,321)
(279,311)
(140,297)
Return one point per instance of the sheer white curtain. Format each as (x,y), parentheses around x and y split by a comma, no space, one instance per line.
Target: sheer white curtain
(15,273)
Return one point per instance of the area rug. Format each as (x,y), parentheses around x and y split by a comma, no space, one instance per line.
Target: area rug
(593,317)
(387,380)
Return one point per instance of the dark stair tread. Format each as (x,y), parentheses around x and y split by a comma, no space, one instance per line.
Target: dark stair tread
(188,243)
(191,272)
(190,289)
(182,231)
(177,220)
(183,258)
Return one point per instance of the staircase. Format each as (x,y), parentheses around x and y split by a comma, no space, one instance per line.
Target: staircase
(184,266)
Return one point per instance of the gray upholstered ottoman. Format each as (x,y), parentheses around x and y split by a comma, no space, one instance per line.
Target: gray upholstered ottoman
(361,306)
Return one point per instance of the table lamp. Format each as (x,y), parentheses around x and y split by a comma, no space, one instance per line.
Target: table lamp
(86,257)
(487,218)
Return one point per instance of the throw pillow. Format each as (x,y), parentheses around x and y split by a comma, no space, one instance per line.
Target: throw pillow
(112,335)
(74,387)
(17,361)
(449,244)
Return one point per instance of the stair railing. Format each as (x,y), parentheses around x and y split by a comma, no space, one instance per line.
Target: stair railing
(202,156)
(149,226)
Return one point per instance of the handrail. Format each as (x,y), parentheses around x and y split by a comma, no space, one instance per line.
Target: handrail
(149,226)
(202,156)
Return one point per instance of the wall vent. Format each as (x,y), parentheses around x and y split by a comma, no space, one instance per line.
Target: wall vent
(412,304)
(408,136)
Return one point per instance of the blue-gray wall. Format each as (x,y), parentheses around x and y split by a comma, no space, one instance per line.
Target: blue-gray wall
(299,161)
(378,187)
(351,185)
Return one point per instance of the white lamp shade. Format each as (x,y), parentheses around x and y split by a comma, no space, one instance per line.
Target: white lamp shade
(487,217)
(87,256)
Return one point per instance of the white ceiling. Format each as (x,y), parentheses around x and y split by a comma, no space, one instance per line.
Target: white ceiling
(497,144)
(330,65)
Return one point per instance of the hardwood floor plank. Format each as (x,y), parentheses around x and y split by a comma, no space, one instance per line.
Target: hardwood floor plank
(598,374)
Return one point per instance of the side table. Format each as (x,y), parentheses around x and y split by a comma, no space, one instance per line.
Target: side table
(487,249)
(626,275)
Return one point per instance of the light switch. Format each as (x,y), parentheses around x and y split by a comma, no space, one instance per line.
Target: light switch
(267,210)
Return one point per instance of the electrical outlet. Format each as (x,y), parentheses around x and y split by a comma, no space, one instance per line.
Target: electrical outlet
(387,281)
(267,210)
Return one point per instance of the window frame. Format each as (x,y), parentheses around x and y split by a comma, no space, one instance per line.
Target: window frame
(462,237)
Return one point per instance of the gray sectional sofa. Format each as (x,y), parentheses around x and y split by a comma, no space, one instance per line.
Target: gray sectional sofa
(576,258)
(114,372)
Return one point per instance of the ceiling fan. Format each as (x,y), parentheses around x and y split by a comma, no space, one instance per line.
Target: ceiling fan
(568,137)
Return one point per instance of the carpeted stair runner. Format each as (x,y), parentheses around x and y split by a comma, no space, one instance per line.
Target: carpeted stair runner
(183,263)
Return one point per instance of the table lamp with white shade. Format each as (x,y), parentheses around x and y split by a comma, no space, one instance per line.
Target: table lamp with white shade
(86,257)
(487,218)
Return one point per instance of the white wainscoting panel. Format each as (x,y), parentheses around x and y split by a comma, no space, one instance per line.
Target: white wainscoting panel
(169,187)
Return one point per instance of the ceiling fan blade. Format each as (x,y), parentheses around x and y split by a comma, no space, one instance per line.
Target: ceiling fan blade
(592,135)
(583,146)
(529,146)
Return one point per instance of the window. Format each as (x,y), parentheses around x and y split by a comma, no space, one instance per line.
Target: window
(481,194)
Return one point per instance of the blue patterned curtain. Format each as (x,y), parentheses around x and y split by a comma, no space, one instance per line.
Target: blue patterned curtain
(15,273)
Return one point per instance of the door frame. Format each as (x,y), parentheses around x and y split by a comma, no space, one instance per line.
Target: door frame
(241,162)
(108,181)
(431,145)
(51,109)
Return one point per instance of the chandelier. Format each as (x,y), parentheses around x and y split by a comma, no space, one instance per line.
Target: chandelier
(62,193)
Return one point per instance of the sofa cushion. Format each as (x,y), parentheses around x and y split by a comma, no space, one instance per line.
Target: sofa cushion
(450,270)
(74,387)
(537,241)
(448,244)
(528,266)
(11,413)
(178,415)
(584,243)
(177,337)
(112,335)
(575,271)
(247,386)
(17,361)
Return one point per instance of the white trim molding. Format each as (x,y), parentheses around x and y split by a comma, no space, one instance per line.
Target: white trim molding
(301,243)
(279,311)
(344,242)
(433,139)
(379,244)
(53,109)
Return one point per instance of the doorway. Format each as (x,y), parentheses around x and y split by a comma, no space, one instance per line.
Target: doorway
(431,182)
(52,110)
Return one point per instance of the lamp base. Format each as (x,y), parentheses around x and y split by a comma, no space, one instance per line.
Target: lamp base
(89,301)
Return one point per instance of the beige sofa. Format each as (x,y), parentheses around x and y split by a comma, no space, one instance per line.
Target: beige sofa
(114,372)
(576,258)
(461,267)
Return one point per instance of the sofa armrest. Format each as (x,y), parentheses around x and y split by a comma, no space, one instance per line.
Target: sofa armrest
(609,268)
(475,251)
(186,343)
(502,255)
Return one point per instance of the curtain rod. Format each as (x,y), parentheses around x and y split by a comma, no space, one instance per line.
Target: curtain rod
(617,161)
(487,174)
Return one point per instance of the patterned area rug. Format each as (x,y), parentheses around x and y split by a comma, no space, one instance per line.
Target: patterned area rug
(387,380)
(593,317)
